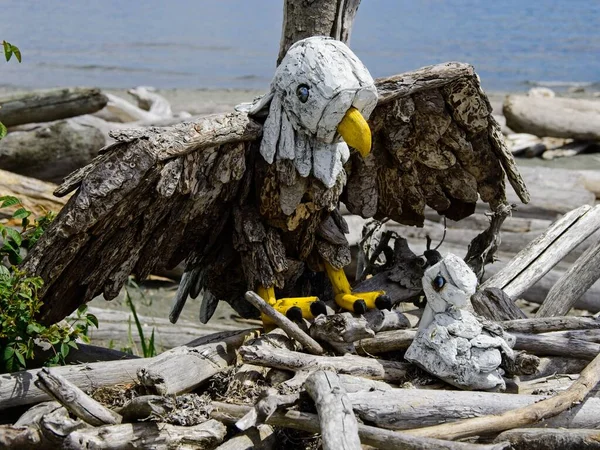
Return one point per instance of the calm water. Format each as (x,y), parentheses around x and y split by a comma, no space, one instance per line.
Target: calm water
(234,43)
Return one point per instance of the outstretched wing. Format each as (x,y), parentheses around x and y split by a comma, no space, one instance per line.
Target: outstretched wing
(149,200)
(435,143)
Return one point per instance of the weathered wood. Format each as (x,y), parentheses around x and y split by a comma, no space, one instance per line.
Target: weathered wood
(259,438)
(557,117)
(550,365)
(17,389)
(184,368)
(340,331)
(269,402)
(584,335)
(43,427)
(547,324)
(293,330)
(75,400)
(573,284)
(386,341)
(412,409)
(50,151)
(339,428)
(376,369)
(492,303)
(386,320)
(158,436)
(551,439)
(544,344)
(369,435)
(302,19)
(527,267)
(49,105)
(35,195)
(544,410)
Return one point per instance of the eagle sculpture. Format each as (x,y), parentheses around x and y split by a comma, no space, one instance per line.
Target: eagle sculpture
(251,212)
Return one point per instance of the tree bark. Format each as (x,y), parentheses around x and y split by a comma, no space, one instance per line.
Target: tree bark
(49,105)
(306,18)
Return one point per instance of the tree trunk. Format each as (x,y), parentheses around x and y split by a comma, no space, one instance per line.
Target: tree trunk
(305,18)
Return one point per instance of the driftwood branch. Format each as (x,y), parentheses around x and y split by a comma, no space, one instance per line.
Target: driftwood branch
(573,284)
(551,439)
(529,265)
(376,369)
(526,415)
(339,428)
(547,324)
(75,400)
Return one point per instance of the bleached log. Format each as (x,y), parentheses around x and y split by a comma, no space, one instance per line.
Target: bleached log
(557,117)
(386,341)
(529,265)
(548,324)
(550,439)
(49,105)
(50,151)
(17,389)
(551,384)
(376,369)
(386,320)
(147,435)
(551,365)
(125,111)
(584,335)
(543,344)
(369,435)
(75,400)
(150,101)
(184,368)
(572,285)
(410,409)
(334,410)
(549,410)
(286,324)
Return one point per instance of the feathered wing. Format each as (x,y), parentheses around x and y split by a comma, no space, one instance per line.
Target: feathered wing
(435,143)
(148,201)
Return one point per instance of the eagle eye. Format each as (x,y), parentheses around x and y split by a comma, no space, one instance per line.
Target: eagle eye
(302,91)
(438,282)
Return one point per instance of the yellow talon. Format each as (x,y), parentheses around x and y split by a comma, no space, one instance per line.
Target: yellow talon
(294,308)
(358,302)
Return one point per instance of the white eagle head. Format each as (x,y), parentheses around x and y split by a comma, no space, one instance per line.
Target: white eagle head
(320,98)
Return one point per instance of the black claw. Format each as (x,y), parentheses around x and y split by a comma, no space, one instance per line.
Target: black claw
(317,308)
(294,314)
(360,306)
(383,302)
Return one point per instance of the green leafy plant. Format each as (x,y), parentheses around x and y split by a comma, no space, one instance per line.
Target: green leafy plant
(21,335)
(9,51)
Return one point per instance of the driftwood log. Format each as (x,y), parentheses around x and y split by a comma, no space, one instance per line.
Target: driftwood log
(551,439)
(339,428)
(557,117)
(49,105)
(369,435)
(50,151)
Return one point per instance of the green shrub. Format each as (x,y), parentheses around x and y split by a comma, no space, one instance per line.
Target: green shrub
(21,335)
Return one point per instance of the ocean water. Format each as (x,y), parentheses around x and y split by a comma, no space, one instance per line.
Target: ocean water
(513,44)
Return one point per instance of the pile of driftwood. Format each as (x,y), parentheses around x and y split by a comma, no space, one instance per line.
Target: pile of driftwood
(339,382)
(541,124)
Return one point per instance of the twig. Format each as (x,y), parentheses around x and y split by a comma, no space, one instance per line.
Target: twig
(286,324)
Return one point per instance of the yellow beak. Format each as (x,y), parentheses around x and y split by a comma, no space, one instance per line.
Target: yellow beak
(355,131)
